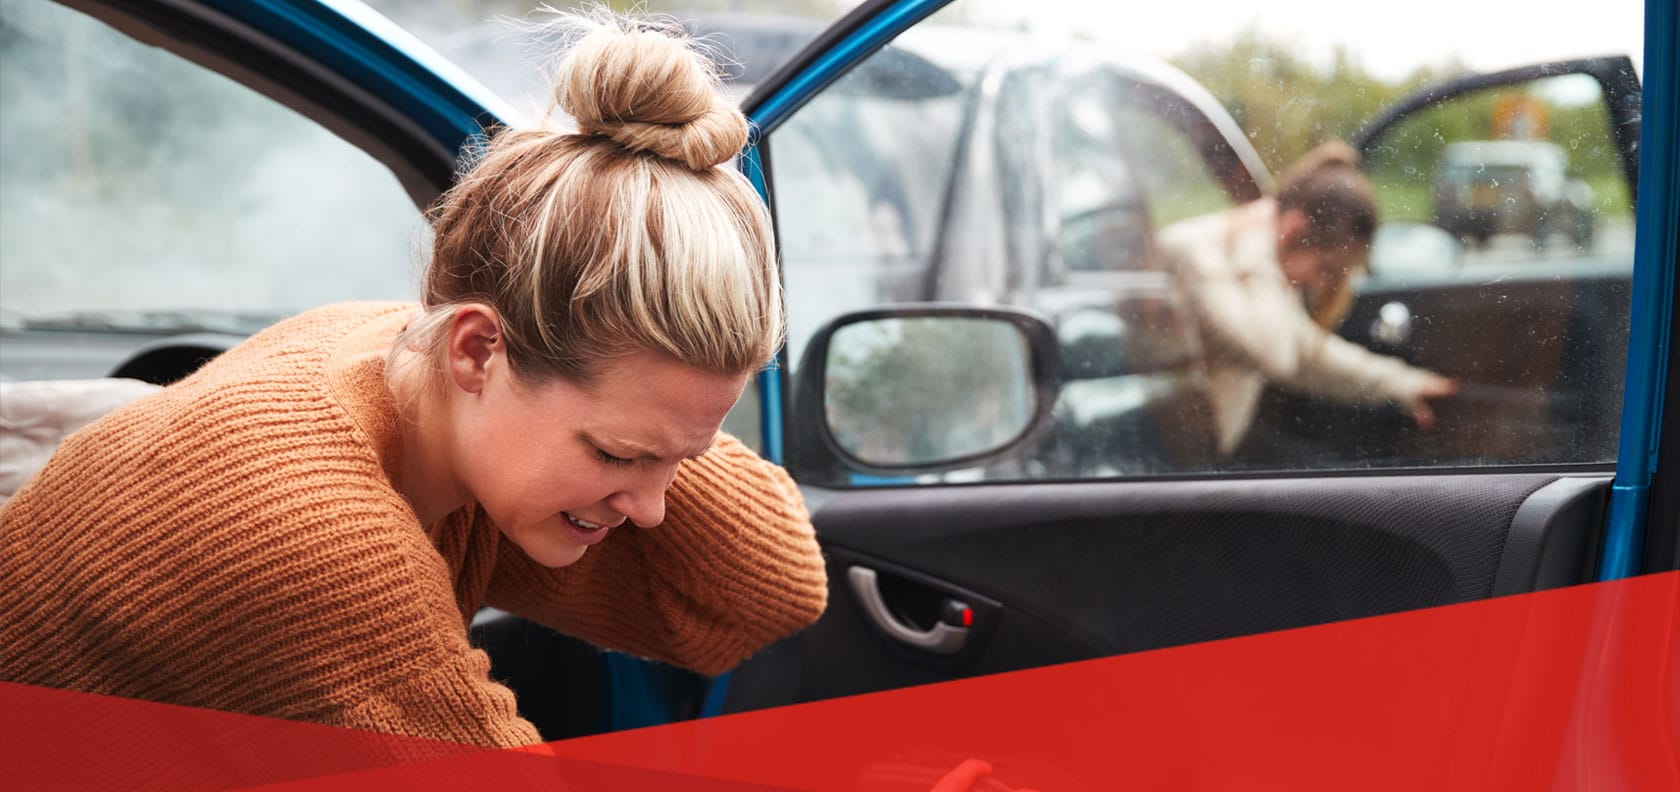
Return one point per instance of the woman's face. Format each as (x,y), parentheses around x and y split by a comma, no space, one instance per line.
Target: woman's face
(1316,269)
(558,465)
(1313,268)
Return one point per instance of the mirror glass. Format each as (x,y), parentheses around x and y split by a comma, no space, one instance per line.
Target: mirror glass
(914,391)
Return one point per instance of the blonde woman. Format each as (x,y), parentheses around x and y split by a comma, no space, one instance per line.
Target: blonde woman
(304,528)
(1270,280)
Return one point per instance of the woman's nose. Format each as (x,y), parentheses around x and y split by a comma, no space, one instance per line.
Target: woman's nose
(643,503)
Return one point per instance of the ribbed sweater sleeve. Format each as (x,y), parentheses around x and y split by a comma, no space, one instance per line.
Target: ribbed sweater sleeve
(734,566)
(445,696)
(233,542)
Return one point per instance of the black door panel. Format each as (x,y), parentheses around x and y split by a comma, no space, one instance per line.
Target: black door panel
(1539,359)
(1088,570)
(1553,540)
(847,654)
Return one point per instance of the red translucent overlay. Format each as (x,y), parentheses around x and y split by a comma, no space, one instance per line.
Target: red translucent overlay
(1577,688)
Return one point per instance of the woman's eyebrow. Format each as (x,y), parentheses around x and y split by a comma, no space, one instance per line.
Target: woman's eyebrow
(635,450)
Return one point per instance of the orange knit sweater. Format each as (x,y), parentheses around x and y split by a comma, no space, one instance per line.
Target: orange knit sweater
(236,542)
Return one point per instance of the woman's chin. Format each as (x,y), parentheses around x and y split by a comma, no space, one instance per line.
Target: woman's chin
(550,551)
(555,557)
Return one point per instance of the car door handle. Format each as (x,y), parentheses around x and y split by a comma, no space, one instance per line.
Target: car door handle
(944,639)
(1393,326)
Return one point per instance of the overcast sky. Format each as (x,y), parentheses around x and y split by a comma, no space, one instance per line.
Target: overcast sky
(1483,34)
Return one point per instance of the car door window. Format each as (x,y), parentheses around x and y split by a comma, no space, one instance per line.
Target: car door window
(144,196)
(1041,173)
(1527,173)
(1507,210)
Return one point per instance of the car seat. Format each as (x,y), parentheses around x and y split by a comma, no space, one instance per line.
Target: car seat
(36,416)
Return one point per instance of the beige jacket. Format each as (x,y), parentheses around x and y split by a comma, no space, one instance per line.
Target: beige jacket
(1255,328)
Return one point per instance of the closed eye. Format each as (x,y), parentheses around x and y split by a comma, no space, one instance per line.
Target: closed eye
(613,460)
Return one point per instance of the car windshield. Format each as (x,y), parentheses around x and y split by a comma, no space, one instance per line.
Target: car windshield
(501,43)
(181,202)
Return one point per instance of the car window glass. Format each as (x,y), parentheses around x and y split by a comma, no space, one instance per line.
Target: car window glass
(144,195)
(1131,125)
(869,166)
(1526,174)
(1107,180)
(1101,210)
(1508,210)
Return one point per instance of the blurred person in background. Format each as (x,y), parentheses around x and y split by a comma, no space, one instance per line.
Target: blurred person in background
(1270,280)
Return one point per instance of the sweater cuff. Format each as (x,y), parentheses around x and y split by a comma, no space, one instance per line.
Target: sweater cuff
(452,700)
(738,535)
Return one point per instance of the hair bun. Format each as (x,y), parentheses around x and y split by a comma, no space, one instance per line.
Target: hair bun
(1330,154)
(645,86)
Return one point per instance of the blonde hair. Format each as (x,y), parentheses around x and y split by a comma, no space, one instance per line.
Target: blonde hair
(630,234)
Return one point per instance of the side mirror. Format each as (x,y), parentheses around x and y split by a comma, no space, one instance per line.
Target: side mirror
(920,389)
(1400,250)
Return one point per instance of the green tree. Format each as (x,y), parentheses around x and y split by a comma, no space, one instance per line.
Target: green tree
(1285,103)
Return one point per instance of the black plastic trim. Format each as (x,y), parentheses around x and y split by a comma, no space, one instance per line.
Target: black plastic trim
(1614,73)
(1596,468)
(1369,547)
(171,359)
(1554,536)
(1662,524)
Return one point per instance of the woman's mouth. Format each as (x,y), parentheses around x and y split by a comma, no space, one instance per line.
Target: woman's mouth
(583,531)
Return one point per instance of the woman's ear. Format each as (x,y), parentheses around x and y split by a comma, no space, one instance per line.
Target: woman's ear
(475,341)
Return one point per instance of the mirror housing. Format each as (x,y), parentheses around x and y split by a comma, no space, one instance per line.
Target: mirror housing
(916,389)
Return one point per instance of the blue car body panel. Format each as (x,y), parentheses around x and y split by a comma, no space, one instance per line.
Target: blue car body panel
(888,21)
(1654,261)
(381,58)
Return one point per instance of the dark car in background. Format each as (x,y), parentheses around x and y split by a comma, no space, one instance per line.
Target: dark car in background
(1488,187)
(895,188)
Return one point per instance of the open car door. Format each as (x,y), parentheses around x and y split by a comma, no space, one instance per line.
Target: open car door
(964,537)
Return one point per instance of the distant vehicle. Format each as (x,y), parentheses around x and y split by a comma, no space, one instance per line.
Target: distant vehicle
(1488,187)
